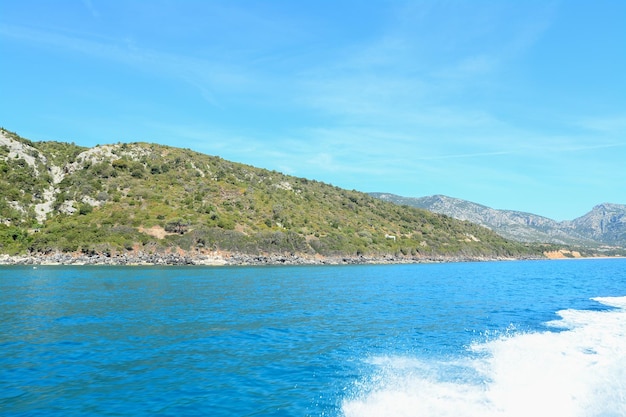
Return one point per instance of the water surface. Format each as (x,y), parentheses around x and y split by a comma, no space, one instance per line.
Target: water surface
(463,339)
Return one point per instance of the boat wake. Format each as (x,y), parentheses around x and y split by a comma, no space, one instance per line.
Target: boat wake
(578,371)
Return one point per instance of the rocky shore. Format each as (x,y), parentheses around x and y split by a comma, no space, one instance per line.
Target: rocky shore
(221,259)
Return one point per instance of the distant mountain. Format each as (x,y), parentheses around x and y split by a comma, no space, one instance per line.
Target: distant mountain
(605,224)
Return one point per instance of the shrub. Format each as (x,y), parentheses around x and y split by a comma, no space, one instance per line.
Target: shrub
(85,209)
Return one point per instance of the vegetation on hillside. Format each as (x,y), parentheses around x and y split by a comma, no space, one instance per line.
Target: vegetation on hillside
(154,198)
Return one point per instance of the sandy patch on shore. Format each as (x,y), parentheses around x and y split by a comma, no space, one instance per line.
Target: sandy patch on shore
(562,254)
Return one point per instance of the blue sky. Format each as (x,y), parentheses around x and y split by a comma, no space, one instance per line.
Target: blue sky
(513,104)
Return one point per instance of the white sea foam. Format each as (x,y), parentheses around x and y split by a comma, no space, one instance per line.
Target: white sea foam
(576,372)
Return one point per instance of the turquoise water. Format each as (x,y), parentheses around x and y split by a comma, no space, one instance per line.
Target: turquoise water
(462,339)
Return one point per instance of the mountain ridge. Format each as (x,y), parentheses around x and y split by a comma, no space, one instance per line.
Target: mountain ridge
(605,224)
(117,199)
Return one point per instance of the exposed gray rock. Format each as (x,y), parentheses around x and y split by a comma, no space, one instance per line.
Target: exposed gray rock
(605,223)
(238,259)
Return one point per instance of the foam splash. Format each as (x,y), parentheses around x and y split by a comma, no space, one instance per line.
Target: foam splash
(577,372)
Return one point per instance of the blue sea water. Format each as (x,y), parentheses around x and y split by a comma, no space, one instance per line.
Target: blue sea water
(531,338)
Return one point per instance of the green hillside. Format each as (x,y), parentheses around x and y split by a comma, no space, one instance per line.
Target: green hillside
(59,197)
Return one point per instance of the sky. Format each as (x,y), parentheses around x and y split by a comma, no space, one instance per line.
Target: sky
(516,105)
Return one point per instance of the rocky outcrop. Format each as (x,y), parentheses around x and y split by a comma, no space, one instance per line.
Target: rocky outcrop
(40,165)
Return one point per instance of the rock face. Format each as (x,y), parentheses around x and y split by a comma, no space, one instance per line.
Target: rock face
(37,162)
(605,224)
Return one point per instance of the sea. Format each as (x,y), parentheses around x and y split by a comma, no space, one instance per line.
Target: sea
(508,338)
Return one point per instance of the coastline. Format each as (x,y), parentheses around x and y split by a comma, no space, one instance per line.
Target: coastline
(233,259)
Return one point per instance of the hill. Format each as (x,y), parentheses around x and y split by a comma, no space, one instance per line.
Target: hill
(605,224)
(141,197)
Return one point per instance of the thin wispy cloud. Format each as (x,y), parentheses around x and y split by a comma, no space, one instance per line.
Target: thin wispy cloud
(607,124)
(466,155)
(385,81)
(210,79)
(89,5)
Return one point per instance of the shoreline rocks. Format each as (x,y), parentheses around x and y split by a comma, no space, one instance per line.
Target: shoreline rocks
(231,259)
